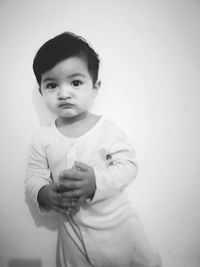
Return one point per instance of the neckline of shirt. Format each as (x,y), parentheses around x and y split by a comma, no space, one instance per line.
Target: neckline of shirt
(66,138)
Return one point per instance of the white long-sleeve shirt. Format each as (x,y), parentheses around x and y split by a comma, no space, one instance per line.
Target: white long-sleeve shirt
(111,230)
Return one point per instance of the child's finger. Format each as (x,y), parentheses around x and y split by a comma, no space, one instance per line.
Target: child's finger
(66,196)
(68,202)
(68,175)
(80,202)
(81,166)
(71,184)
(73,193)
(60,188)
(63,203)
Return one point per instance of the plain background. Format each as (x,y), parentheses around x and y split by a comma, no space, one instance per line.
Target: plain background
(150,88)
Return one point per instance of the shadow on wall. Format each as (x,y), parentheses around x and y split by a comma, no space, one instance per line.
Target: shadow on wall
(49,220)
(43,114)
(24,263)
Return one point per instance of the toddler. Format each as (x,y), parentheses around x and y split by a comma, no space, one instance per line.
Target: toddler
(80,165)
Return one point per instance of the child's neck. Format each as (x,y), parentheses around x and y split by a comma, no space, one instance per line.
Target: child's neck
(76,126)
(66,121)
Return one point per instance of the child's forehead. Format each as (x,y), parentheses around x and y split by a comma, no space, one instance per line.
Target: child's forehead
(68,67)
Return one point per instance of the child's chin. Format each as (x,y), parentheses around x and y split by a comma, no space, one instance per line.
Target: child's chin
(68,114)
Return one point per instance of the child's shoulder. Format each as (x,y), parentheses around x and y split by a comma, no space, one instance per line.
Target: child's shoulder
(111,123)
(112,126)
(114,134)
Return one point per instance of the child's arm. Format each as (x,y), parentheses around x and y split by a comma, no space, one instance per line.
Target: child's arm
(119,171)
(39,183)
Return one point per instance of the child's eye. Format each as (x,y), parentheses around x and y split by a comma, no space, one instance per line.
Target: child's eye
(77,83)
(51,85)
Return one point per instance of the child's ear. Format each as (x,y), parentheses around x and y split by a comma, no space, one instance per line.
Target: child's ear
(96,87)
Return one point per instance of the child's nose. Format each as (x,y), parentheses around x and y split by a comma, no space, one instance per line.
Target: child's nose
(64,92)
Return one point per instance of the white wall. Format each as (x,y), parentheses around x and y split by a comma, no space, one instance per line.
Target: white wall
(150,87)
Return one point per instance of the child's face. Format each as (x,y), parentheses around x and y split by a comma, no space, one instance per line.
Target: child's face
(68,88)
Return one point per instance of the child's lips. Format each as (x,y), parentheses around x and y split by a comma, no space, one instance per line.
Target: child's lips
(65,105)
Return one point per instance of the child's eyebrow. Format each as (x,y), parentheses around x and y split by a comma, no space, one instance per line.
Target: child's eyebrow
(48,79)
(76,74)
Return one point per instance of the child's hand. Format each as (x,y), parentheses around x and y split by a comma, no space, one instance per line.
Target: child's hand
(79,181)
(50,197)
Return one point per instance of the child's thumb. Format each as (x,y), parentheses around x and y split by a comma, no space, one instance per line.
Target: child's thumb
(81,166)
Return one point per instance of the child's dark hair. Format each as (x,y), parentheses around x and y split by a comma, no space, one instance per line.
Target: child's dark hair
(61,47)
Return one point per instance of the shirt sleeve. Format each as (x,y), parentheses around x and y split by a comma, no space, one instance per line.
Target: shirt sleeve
(118,171)
(38,172)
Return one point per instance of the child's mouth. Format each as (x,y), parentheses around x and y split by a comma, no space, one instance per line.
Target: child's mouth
(65,105)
